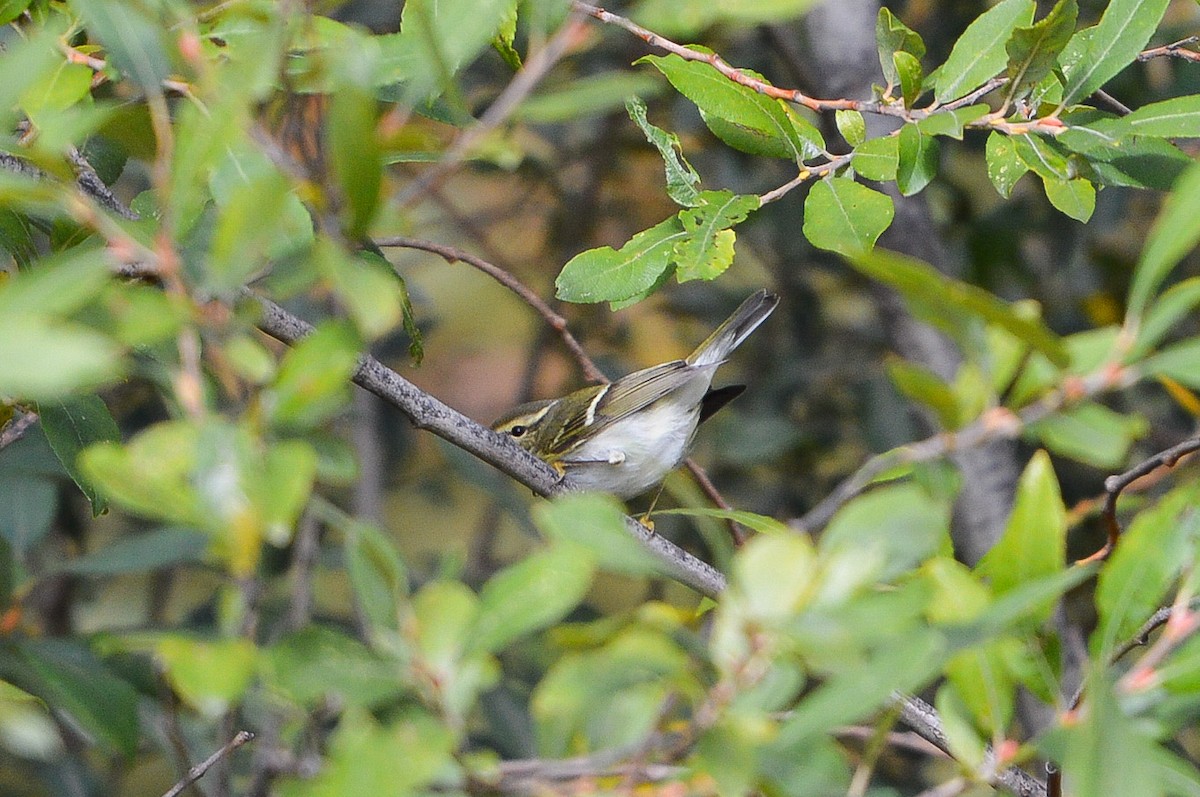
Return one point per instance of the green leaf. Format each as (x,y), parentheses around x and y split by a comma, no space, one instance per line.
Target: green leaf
(609,696)
(852,126)
(918,160)
(708,248)
(530,595)
(58,90)
(377,576)
(1104,751)
(72,425)
(844,217)
(416,341)
(28,505)
(1042,157)
(951,123)
(1075,197)
(1144,567)
(985,682)
(878,158)
(964,741)
(1033,50)
(862,688)
(11,9)
(317,663)
(438,38)
(502,42)
(246,227)
(608,275)
(152,474)
(282,485)
(355,153)
(1171,307)
(44,360)
(1096,55)
(1034,543)
(365,284)
(131,37)
(1175,232)
(140,553)
(211,676)
(760,11)
(918,281)
(57,285)
(399,758)
(1174,118)
(594,524)
(70,679)
(772,575)
(1090,433)
(738,115)
(588,97)
(763,524)
(314,377)
(890,530)
(979,54)
(921,384)
(1138,163)
(893,36)
(683,183)
(908,68)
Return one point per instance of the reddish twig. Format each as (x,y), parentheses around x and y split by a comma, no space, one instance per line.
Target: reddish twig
(1172,50)
(721,65)
(1115,485)
(1050,126)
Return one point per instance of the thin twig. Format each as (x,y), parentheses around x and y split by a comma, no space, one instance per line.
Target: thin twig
(535,68)
(999,423)
(1115,485)
(558,323)
(804,176)
(17,428)
(1050,126)
(1140,639)
(1172,50)
(500,451)
(195,773)
(451,254)
(720,64)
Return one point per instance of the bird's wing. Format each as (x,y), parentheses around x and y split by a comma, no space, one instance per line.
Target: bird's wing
(621,399)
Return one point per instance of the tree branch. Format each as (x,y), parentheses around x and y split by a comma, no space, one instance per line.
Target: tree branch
(17,428)
(1115,485)
(427,412)
(195,773)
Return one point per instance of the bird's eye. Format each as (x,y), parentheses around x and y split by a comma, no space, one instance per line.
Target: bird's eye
(518,430)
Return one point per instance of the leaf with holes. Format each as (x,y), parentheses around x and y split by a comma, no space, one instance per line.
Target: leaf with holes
(605,274)
(708,248)
(683,184)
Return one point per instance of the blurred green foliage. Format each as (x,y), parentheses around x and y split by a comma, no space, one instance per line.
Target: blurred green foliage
(207,530)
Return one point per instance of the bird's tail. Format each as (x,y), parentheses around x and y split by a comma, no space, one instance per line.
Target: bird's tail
(733,330)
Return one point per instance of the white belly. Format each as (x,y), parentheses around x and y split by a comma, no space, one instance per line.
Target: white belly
(636,453)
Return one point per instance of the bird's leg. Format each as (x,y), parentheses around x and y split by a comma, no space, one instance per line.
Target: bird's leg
(645,518)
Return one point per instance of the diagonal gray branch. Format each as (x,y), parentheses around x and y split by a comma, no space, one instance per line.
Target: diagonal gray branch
(427,412)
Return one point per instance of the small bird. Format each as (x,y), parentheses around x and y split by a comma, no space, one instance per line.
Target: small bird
(625,437)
